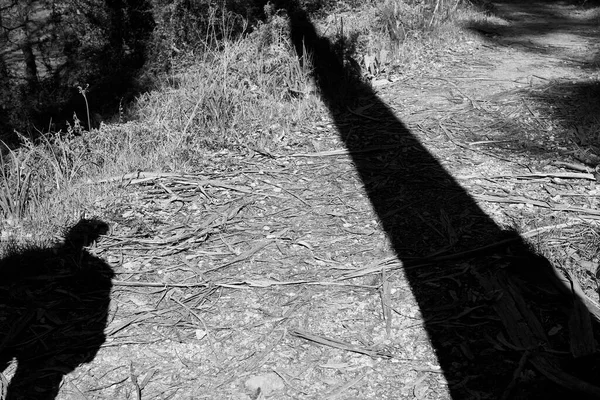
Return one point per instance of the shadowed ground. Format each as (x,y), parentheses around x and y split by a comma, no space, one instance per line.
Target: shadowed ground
(53,311)
(437,229)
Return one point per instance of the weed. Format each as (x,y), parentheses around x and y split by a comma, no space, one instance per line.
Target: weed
(64,156)
(223,97)
(400,19)
(83,91)
(16,183)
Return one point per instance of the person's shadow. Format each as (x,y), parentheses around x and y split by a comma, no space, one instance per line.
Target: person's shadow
(54,305)
(487,300)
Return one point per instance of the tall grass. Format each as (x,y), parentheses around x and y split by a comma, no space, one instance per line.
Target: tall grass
(225,98)
(16,180)
(401,19)
(36,175)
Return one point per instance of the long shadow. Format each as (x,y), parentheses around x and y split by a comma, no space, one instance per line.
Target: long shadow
(53,310)
(486,299)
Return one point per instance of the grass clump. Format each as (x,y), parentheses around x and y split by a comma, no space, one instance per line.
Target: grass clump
(15,177)
(396,36)
(223,99)
(402,19)
(40,181)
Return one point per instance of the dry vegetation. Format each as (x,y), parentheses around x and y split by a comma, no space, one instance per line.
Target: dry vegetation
(249,96)
(241,238)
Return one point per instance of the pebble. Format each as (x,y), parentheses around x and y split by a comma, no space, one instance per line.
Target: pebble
(267,383)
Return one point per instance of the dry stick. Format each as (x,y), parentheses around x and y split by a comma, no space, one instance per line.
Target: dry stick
(480,142)
(109,385)
(205,229)
(386,302)
(572,287)
(141,177)
(287,382)
(199,232)
(253,364)
(511,200)
(149,376)
(345,152)
(135,175)
(160,284)
(363,116)
(215,183)
(264,283)
(341,389)
(462,254)
(534,232)
(451,138)
(208,334)
(80,394)
(187,125)
(516,376)
(473,102)
(581,333)
(338,344)
(138,390)
(535,117)
(257,360)
(587,212)
(287,191)
(341,152)
(562,175)
(244,255)
(4,385)
(573,166)
(172,193)
(139,317)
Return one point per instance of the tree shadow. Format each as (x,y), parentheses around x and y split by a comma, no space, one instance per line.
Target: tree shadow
(53,310)
(529,25)
(567,32)
(575,107)
(486,299)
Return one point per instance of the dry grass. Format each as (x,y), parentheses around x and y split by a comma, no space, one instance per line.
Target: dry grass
(250,96)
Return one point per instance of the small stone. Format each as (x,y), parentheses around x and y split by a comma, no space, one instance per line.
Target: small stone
(267,383)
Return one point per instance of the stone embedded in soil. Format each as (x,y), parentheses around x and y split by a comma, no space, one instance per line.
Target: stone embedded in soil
(267,383)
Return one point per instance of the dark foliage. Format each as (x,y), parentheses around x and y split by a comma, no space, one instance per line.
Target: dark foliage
(53,46)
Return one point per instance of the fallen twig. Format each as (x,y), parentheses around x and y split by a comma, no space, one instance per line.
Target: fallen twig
(561,175)
(243,256)
(582,211)
(338,344)
(344,152)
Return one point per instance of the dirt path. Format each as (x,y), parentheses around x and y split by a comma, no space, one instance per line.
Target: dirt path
(286,273)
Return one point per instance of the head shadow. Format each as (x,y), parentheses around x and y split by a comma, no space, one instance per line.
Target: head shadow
(54,306)
(474,281)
